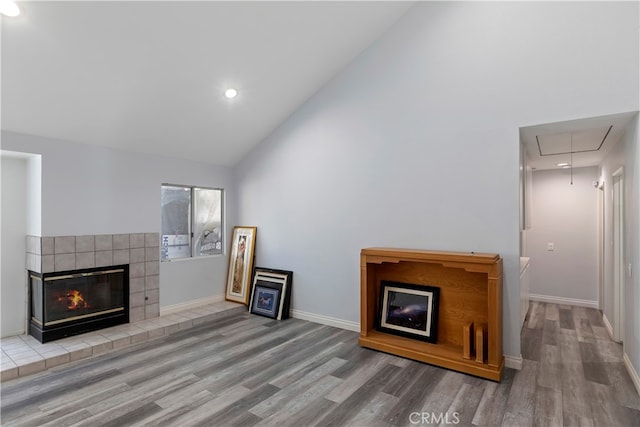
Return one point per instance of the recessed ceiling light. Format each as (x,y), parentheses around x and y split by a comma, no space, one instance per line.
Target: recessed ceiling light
(230,93)
(9,8)
(562,165)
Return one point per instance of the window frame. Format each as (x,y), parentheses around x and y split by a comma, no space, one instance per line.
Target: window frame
(191,220)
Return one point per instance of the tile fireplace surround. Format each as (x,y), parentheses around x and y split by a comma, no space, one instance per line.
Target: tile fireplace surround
(140,250)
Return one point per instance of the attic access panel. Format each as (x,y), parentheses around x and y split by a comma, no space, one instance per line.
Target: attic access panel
(572,142)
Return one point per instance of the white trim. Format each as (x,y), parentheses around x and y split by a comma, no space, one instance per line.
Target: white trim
(618,200)
(175,308)
(191,258)
(17,154)
(14,333)
(565,301)
(326,320)
(513,362)
(632,372)
(607,325)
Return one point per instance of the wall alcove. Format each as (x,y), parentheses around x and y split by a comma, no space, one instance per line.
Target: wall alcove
(470,292)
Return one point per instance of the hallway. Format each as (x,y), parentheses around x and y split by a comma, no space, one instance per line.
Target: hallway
(578,371)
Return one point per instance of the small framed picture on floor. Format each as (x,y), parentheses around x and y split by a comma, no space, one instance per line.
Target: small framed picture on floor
(271,293)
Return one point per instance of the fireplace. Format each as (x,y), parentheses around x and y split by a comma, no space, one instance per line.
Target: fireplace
(68,303)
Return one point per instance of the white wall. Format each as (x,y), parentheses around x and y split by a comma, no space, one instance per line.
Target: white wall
(626,154)
(632,246)
(34,195)
(96,190)
(415,144)
(13,245)
(526,191)
(565,215)
(614,160)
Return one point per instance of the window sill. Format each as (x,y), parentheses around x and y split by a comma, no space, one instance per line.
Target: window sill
(192,258)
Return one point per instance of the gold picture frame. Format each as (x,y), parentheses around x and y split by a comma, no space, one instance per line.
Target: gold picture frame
(243,243)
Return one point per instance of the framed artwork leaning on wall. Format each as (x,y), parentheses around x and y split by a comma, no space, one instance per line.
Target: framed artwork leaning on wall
(271,293)
(243,243)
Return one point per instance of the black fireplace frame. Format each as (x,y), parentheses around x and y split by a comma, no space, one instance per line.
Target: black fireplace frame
(46,333)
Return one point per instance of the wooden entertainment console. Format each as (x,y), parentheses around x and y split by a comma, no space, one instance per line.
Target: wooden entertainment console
(470,292)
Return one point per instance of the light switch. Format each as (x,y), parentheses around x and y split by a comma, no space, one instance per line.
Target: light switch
(550,246)
(629,270)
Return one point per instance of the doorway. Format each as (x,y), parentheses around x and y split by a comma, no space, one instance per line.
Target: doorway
(618,255)
(602,245)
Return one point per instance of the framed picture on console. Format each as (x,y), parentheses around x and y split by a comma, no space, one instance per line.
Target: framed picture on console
(408,310)
(271,293)
(243,243)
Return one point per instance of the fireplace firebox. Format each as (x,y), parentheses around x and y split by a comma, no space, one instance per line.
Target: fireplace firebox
(73,302)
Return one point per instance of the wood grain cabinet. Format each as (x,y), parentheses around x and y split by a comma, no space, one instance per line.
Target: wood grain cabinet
(470,292)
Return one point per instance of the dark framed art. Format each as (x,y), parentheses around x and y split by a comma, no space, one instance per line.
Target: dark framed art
(409,310)
(243,243)
(271,293)
(266,299)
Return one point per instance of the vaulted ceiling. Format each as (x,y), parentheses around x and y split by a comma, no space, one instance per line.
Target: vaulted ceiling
(150,76)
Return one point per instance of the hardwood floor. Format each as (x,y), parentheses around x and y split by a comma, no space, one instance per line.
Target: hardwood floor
(248,370)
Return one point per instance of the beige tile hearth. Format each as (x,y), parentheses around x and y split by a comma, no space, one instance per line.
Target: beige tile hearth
(24,355)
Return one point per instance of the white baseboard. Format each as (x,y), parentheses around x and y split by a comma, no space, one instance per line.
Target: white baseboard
(326,320)
(607,326)
(564,301)
(513,362)
(632,372)
(14,333)
(175,308)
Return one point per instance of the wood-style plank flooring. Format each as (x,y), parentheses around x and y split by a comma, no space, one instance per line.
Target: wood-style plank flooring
(246,370)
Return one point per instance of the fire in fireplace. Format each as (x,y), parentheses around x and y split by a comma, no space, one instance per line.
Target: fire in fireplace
(73,302)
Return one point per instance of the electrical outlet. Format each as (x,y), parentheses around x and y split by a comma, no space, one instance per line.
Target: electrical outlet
(551,246)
